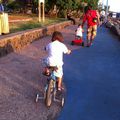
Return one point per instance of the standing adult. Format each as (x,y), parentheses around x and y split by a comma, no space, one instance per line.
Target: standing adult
(92,18)
(1,14)
(4,23)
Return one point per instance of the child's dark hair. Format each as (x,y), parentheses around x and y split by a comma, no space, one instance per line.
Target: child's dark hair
(57,36)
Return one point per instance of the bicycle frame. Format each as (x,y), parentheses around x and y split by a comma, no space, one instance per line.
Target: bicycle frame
(51,90)
(53,80)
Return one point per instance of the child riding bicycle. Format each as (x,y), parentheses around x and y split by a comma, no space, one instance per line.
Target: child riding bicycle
(55,50)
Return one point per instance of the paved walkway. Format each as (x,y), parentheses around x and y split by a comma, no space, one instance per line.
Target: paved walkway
(21,79)
(92,79)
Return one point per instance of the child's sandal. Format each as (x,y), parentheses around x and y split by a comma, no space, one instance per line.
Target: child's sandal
(60,88)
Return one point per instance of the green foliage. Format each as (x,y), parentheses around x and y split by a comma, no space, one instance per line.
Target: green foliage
(13,5)
(49,4)
(94,3)
(62,6)
(20,26)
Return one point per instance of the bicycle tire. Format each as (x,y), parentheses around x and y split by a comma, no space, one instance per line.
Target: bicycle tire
(37,97)
(62,101)
(49,91)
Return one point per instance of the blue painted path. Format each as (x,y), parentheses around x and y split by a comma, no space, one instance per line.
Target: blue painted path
(92,79)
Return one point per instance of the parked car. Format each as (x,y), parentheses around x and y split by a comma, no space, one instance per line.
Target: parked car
(113,14)
(118,16)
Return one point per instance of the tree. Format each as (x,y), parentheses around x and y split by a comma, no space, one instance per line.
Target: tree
(62,6)
(94,3)
(17,5)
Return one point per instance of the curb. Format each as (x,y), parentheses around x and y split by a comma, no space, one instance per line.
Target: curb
(115,28)
(16,41)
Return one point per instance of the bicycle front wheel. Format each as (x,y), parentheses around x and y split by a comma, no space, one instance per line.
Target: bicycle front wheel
(49,92)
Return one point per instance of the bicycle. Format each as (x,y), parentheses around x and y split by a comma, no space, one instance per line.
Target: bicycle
(51,90)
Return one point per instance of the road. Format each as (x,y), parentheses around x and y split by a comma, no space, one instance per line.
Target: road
(92,79)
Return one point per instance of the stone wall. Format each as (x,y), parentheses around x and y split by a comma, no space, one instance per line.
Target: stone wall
(114,26)
(16,41)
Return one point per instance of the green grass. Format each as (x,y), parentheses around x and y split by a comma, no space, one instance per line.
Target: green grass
(20,26)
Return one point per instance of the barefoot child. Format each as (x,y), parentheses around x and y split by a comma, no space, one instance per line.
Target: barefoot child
(78,36)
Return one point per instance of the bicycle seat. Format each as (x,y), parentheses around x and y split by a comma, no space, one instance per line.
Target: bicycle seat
(52,67)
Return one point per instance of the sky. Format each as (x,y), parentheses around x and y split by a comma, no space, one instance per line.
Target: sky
(114,5)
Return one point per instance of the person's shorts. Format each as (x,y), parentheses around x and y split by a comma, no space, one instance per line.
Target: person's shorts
(78,37)
(58,72)
(92,30)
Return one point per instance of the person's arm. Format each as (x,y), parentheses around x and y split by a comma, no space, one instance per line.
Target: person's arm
(82,30)
(84,20)
(69,52)
(66,50)
(98,17)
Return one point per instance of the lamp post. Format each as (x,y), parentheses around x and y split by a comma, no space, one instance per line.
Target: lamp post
(41,11)
(106,10)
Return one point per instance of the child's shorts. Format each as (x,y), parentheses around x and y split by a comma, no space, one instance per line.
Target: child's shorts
(58,72)
(78,37)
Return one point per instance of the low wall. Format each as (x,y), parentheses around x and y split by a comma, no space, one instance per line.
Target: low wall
(116,30)
(114,26)
(16,41)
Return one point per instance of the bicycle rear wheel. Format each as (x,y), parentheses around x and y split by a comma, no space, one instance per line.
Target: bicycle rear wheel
(49,92)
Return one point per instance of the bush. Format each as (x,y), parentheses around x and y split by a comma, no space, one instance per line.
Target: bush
(13,6)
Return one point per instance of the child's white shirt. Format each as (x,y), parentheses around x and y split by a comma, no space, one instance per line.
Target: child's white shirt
(56,50)
(79,32)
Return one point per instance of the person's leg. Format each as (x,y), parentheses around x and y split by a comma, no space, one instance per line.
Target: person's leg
(81,41)
(46,71)
(59,83)
(76,37)
(82,44)
(94,33)
(89,34)
(59,74)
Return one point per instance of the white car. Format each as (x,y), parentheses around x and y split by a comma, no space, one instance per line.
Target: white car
(114,15)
